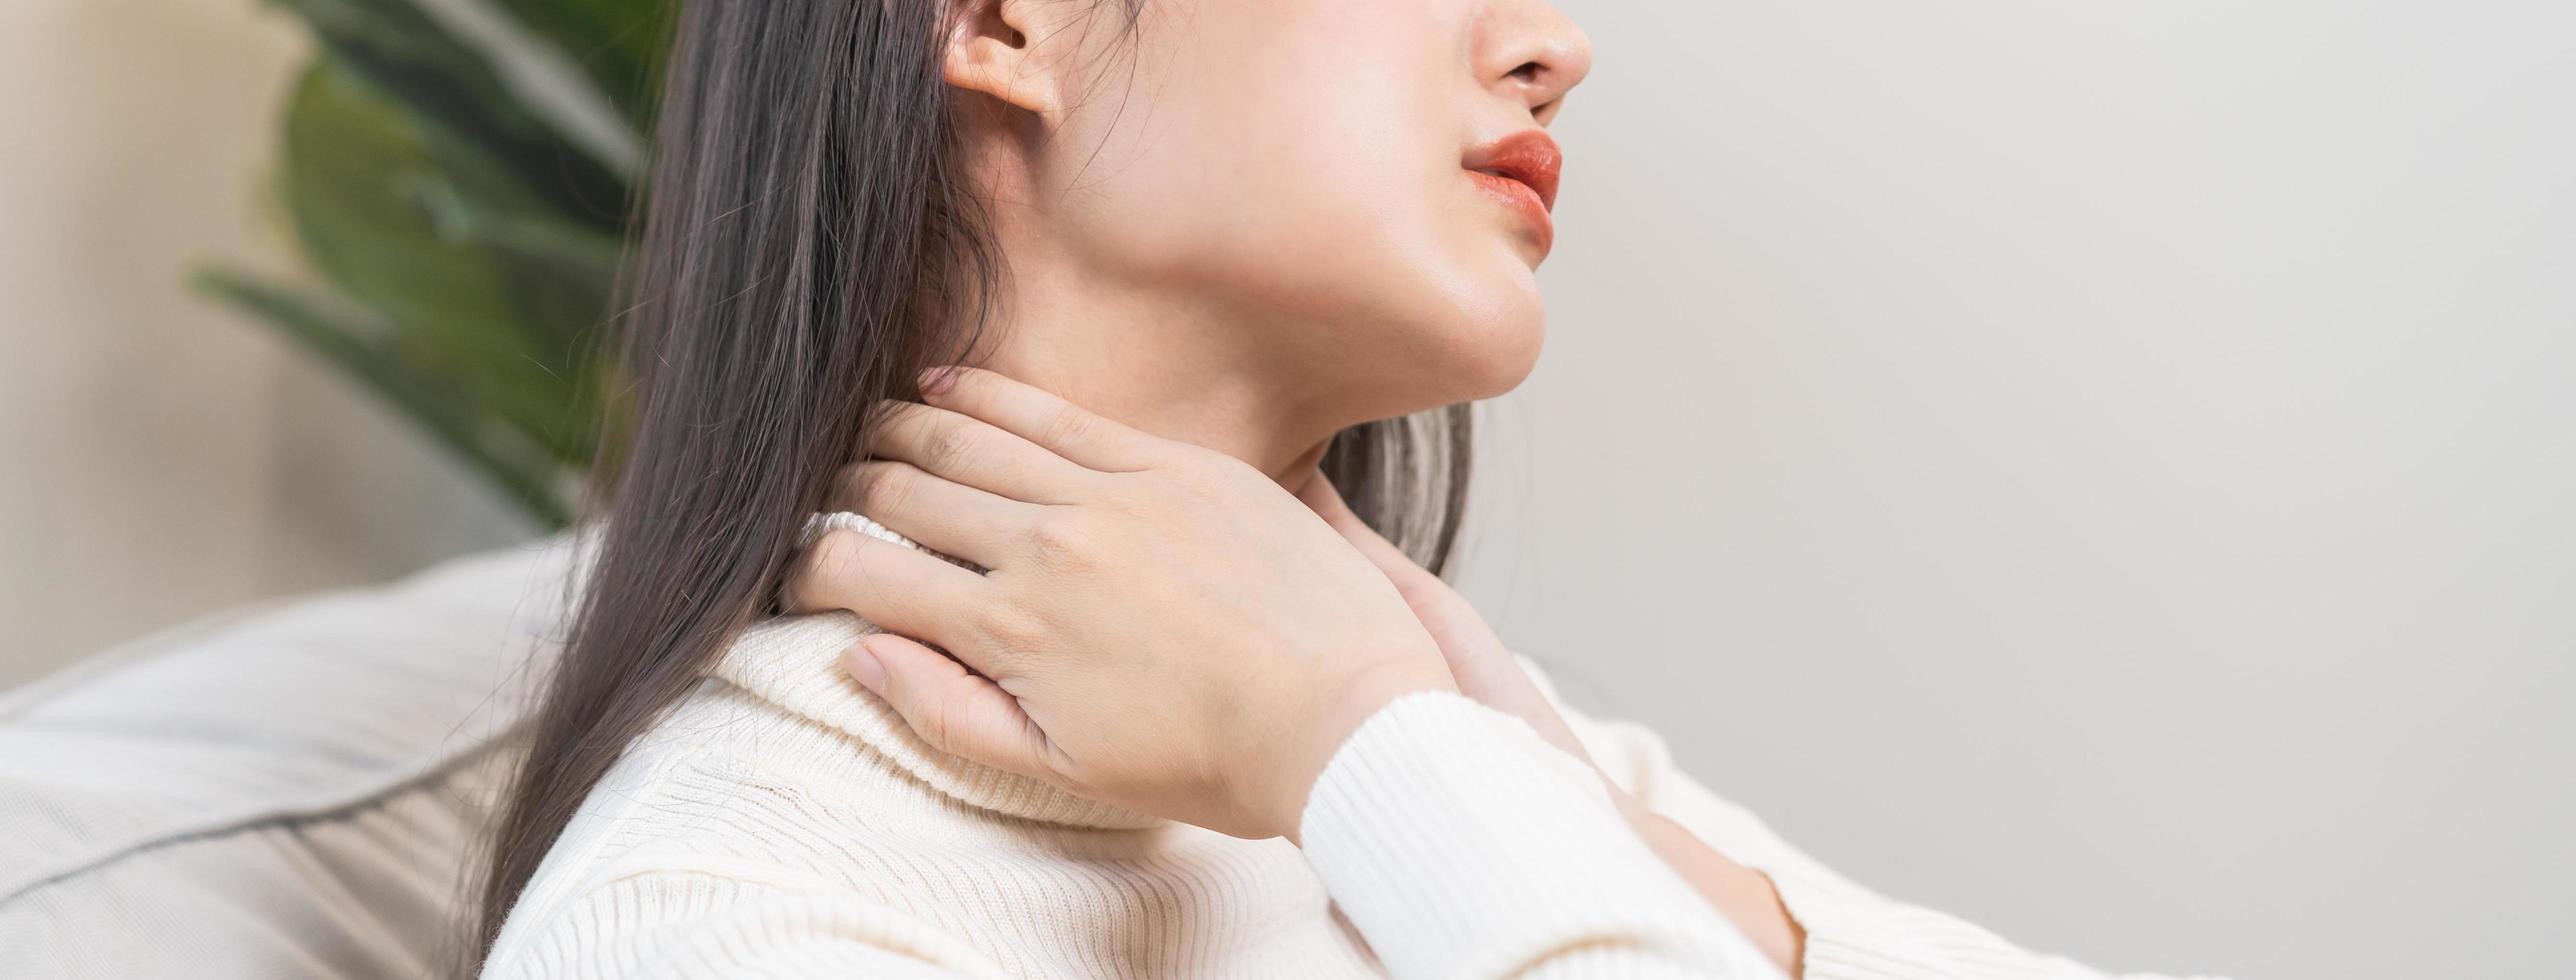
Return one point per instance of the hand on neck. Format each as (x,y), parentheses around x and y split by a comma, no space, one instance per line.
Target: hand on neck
(1140,357)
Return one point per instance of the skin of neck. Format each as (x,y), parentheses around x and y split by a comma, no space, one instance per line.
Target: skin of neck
(1146,355)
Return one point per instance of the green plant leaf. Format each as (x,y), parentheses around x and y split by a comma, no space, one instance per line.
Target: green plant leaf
(451,84)
(365,347)
(496,295)
(457,172)
(620,44)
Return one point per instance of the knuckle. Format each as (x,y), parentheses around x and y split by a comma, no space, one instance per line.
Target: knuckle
(1066,426)
(1060,544)
(1010,632)
(887,485)
(948,446)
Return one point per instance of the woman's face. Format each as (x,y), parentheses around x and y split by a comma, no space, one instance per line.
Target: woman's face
(1309,170)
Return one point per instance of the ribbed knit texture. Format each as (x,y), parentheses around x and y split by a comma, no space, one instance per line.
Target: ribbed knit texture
(781,821)
(1466,846)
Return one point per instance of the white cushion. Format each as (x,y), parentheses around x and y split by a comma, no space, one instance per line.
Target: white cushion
(282,791)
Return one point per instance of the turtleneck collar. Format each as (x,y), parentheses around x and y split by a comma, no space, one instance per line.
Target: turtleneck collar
(794,663)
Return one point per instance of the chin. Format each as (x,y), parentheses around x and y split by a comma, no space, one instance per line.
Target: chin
(1488,350)
(1432,335)
(1508,365)
(1495,342)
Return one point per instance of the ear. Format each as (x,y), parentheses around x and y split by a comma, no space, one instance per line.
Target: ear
(993,49)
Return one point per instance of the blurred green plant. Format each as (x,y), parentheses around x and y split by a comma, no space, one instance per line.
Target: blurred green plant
(458,174)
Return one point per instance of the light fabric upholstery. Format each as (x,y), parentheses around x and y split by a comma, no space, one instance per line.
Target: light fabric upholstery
(281,791)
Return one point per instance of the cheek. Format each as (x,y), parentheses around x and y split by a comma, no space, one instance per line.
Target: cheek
(1360,262)
(1397,262)
(1310,172)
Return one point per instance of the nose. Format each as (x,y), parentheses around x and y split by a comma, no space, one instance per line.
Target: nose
(1531,52)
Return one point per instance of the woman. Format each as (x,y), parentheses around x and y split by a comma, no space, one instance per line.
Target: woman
(1230,264)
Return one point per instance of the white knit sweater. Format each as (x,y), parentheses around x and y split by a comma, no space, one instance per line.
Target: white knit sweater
(783,822)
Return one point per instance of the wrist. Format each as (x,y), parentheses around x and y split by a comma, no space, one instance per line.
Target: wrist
(1355,698)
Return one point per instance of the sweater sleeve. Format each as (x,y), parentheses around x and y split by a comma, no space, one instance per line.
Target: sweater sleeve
(1461,845)
(1852,933)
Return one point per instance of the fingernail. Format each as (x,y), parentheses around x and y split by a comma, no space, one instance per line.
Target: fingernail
(936,380)
(865,666)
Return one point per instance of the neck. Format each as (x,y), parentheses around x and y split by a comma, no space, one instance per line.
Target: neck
(1159,364)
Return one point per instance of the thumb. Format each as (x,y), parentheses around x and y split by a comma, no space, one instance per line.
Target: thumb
(955,711)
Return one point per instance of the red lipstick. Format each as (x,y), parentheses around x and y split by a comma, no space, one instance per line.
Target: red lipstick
(1521,170)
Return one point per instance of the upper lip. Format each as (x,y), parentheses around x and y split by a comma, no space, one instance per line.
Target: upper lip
(1529,156)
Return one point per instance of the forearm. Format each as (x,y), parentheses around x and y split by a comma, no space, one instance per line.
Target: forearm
(1463,845)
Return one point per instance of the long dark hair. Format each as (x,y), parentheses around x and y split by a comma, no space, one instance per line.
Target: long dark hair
(808,244)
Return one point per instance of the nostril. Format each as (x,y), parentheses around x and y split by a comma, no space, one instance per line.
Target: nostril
(1529,71)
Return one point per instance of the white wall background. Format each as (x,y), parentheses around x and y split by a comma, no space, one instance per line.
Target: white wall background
(2107,469)
(2103,469)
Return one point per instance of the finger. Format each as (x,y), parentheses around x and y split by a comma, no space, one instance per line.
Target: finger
(975,453)
(1320,496)
(894,587)
(946,516)
(1039,416)
(954,710)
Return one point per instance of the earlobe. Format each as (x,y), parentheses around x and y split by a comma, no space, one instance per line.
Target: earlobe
(990,52)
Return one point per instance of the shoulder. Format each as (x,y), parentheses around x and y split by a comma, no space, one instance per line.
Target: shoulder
(727,796)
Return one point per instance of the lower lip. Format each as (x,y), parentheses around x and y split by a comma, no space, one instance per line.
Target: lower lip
(1525,199)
